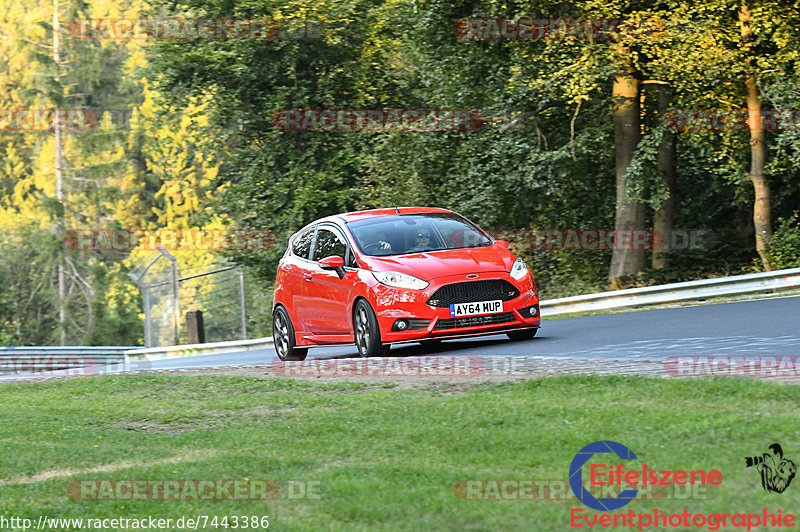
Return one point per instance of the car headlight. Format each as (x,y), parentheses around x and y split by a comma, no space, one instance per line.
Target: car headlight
(400,280)
(519,269)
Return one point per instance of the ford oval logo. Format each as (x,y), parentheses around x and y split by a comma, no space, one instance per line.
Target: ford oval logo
(472,276)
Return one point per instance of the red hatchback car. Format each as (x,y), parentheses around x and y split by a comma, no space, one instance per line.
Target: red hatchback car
(387,276)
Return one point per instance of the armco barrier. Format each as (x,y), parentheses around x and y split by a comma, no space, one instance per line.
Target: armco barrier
(37,359)
(100,354)
(177,351)
(675,292)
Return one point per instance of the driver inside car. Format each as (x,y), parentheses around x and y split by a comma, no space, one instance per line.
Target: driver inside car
(423,239)
(422,242)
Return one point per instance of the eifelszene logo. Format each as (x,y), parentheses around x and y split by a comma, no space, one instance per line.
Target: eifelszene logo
(619,477)
(776,471)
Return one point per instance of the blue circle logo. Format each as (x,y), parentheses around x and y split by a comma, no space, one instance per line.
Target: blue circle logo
(576,476)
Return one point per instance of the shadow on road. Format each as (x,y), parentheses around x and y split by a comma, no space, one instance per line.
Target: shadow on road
(435,348)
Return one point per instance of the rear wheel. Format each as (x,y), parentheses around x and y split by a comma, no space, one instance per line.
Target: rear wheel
(366,331)
(283,336)
(527,334)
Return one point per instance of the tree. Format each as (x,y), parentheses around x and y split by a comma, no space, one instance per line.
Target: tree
(630,215)
(64,177)
(761,205)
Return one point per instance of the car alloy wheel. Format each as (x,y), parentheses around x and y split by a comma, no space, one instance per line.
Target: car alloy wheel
(366,331)
(283,337)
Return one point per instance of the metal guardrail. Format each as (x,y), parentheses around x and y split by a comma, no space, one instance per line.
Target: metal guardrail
(148,354)
(675,292)
(35,358)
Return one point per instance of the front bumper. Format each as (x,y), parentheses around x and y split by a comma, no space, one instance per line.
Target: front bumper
(393,304)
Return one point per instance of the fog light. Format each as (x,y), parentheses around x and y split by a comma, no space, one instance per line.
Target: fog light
(402,325)
(534,311)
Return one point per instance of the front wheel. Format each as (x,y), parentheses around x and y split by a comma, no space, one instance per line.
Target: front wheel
(527,334)
(283,337)
(366,332)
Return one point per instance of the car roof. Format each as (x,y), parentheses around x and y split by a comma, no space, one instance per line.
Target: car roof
(348,217)
(374,213)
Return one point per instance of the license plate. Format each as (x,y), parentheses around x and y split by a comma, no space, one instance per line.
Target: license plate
(480,307)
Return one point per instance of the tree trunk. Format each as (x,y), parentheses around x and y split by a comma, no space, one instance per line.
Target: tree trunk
(626,260)
(663,219)
(62,285)
(761,205)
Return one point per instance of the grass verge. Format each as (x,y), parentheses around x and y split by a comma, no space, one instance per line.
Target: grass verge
(381,458)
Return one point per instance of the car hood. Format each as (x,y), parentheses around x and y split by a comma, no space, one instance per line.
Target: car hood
(433,264)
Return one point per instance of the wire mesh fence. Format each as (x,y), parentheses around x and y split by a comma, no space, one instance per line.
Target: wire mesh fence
(169,292)
(219,293)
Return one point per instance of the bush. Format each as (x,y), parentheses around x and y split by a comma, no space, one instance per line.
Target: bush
(784,247)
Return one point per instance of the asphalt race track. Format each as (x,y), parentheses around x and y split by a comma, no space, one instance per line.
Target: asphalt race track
(762,327)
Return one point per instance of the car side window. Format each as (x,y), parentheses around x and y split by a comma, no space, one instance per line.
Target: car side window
(329,243)
(350,260)
(302,244)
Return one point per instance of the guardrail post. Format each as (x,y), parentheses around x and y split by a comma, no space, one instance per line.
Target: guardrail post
(242,307)
(195,328)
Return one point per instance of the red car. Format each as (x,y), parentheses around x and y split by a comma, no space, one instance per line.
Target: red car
(389,276)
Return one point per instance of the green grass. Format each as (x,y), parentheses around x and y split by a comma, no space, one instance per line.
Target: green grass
(384,458)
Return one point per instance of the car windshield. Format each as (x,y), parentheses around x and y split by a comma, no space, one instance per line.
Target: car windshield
(416,233)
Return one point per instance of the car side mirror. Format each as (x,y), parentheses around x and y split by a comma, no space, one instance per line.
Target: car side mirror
(334,263)
(504,243)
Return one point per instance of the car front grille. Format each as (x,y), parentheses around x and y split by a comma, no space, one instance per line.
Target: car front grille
(473,291)
(472,321)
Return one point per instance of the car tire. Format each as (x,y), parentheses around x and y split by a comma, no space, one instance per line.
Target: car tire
(366,332)
(527,334)
(283,336)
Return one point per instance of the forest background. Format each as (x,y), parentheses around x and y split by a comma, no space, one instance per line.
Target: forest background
(675,119)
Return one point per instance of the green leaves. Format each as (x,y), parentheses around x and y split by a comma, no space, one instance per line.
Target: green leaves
(784,247)
(645,182)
